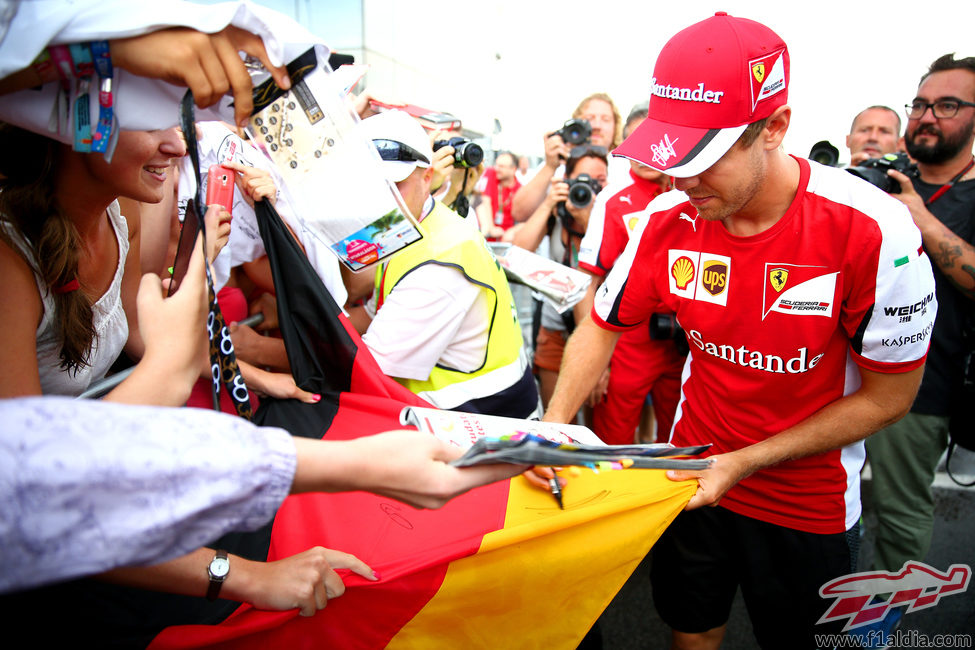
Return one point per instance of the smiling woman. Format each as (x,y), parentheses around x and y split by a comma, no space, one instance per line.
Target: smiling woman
(69,259)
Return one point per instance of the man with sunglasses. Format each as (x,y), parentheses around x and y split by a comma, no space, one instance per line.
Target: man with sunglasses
(903,457)
(444,323)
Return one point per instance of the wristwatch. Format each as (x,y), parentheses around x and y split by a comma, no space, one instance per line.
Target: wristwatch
(217,570)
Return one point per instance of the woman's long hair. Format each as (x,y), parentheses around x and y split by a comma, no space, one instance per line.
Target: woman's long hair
(28,205)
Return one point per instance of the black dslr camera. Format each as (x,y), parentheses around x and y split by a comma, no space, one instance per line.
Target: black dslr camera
(874,171)
(582,189)
(466,153)
(575,132)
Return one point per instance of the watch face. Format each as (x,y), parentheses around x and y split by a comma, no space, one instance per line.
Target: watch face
(219,567)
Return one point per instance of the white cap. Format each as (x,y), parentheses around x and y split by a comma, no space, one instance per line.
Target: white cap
(401,142)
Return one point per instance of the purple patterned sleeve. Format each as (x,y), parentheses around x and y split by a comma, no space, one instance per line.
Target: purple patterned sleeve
(90,486)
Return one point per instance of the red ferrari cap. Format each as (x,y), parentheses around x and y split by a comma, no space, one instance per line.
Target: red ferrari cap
(710,82)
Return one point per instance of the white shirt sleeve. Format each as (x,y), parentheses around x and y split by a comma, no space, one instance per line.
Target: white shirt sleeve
(89,486)
(421,318)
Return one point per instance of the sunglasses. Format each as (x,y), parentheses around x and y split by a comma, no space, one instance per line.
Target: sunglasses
(588,150)
(397,151)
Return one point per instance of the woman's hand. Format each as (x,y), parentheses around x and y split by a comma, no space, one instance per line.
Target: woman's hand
(255,184)
(217,221)
(305,581)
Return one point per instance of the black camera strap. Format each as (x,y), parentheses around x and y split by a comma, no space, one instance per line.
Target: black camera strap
(461,203)
(947,186)
(223,360)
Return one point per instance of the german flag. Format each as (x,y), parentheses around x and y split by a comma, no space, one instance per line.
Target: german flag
(500,566)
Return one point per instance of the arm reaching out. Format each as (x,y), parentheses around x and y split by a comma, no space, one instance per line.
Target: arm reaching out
(882,399)
(208,64)
(304,581)
(408,466)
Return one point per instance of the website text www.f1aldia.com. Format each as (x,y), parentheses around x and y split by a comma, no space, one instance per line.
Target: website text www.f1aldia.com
(895,639)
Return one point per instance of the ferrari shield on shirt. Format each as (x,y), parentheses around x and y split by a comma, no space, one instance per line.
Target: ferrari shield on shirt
(777,323)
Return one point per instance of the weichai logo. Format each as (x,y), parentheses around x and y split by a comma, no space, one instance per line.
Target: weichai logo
(714,277)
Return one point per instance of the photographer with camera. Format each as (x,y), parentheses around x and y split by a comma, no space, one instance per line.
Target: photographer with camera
(564,216)
(444,323)
(595,121)
(458,165)
(875,131)
(903,457)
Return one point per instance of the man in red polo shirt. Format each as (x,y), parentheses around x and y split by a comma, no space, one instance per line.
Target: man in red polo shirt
(788,278)
(498,186)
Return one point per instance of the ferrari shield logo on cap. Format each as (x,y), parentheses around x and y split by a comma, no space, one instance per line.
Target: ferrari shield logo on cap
(758,71)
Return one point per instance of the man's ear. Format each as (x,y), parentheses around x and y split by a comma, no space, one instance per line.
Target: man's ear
(776,127)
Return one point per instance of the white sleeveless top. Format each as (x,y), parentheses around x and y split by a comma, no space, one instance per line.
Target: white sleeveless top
(111,327)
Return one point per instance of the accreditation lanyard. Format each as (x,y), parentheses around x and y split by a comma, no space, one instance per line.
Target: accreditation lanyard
(84,69)
(104,138)
(947,186)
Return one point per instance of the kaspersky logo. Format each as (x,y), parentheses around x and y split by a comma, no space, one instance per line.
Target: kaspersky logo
(916,585)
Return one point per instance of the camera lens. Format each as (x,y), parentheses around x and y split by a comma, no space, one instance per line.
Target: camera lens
(824,153)
(576,132)
(469,155)
(580,194)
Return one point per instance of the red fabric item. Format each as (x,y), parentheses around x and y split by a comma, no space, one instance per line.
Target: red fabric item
(639,366)
(775,323)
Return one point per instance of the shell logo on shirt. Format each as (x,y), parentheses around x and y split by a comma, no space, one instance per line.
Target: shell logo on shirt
(699,276)
(682,271)
(798,290)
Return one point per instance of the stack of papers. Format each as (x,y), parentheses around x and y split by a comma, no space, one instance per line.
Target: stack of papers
(557,284)
(493,439)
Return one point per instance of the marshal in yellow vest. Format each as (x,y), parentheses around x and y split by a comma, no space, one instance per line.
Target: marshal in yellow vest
(449,241)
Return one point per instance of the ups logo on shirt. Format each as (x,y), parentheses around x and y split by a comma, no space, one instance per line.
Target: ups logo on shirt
(697,275)
(714,277)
